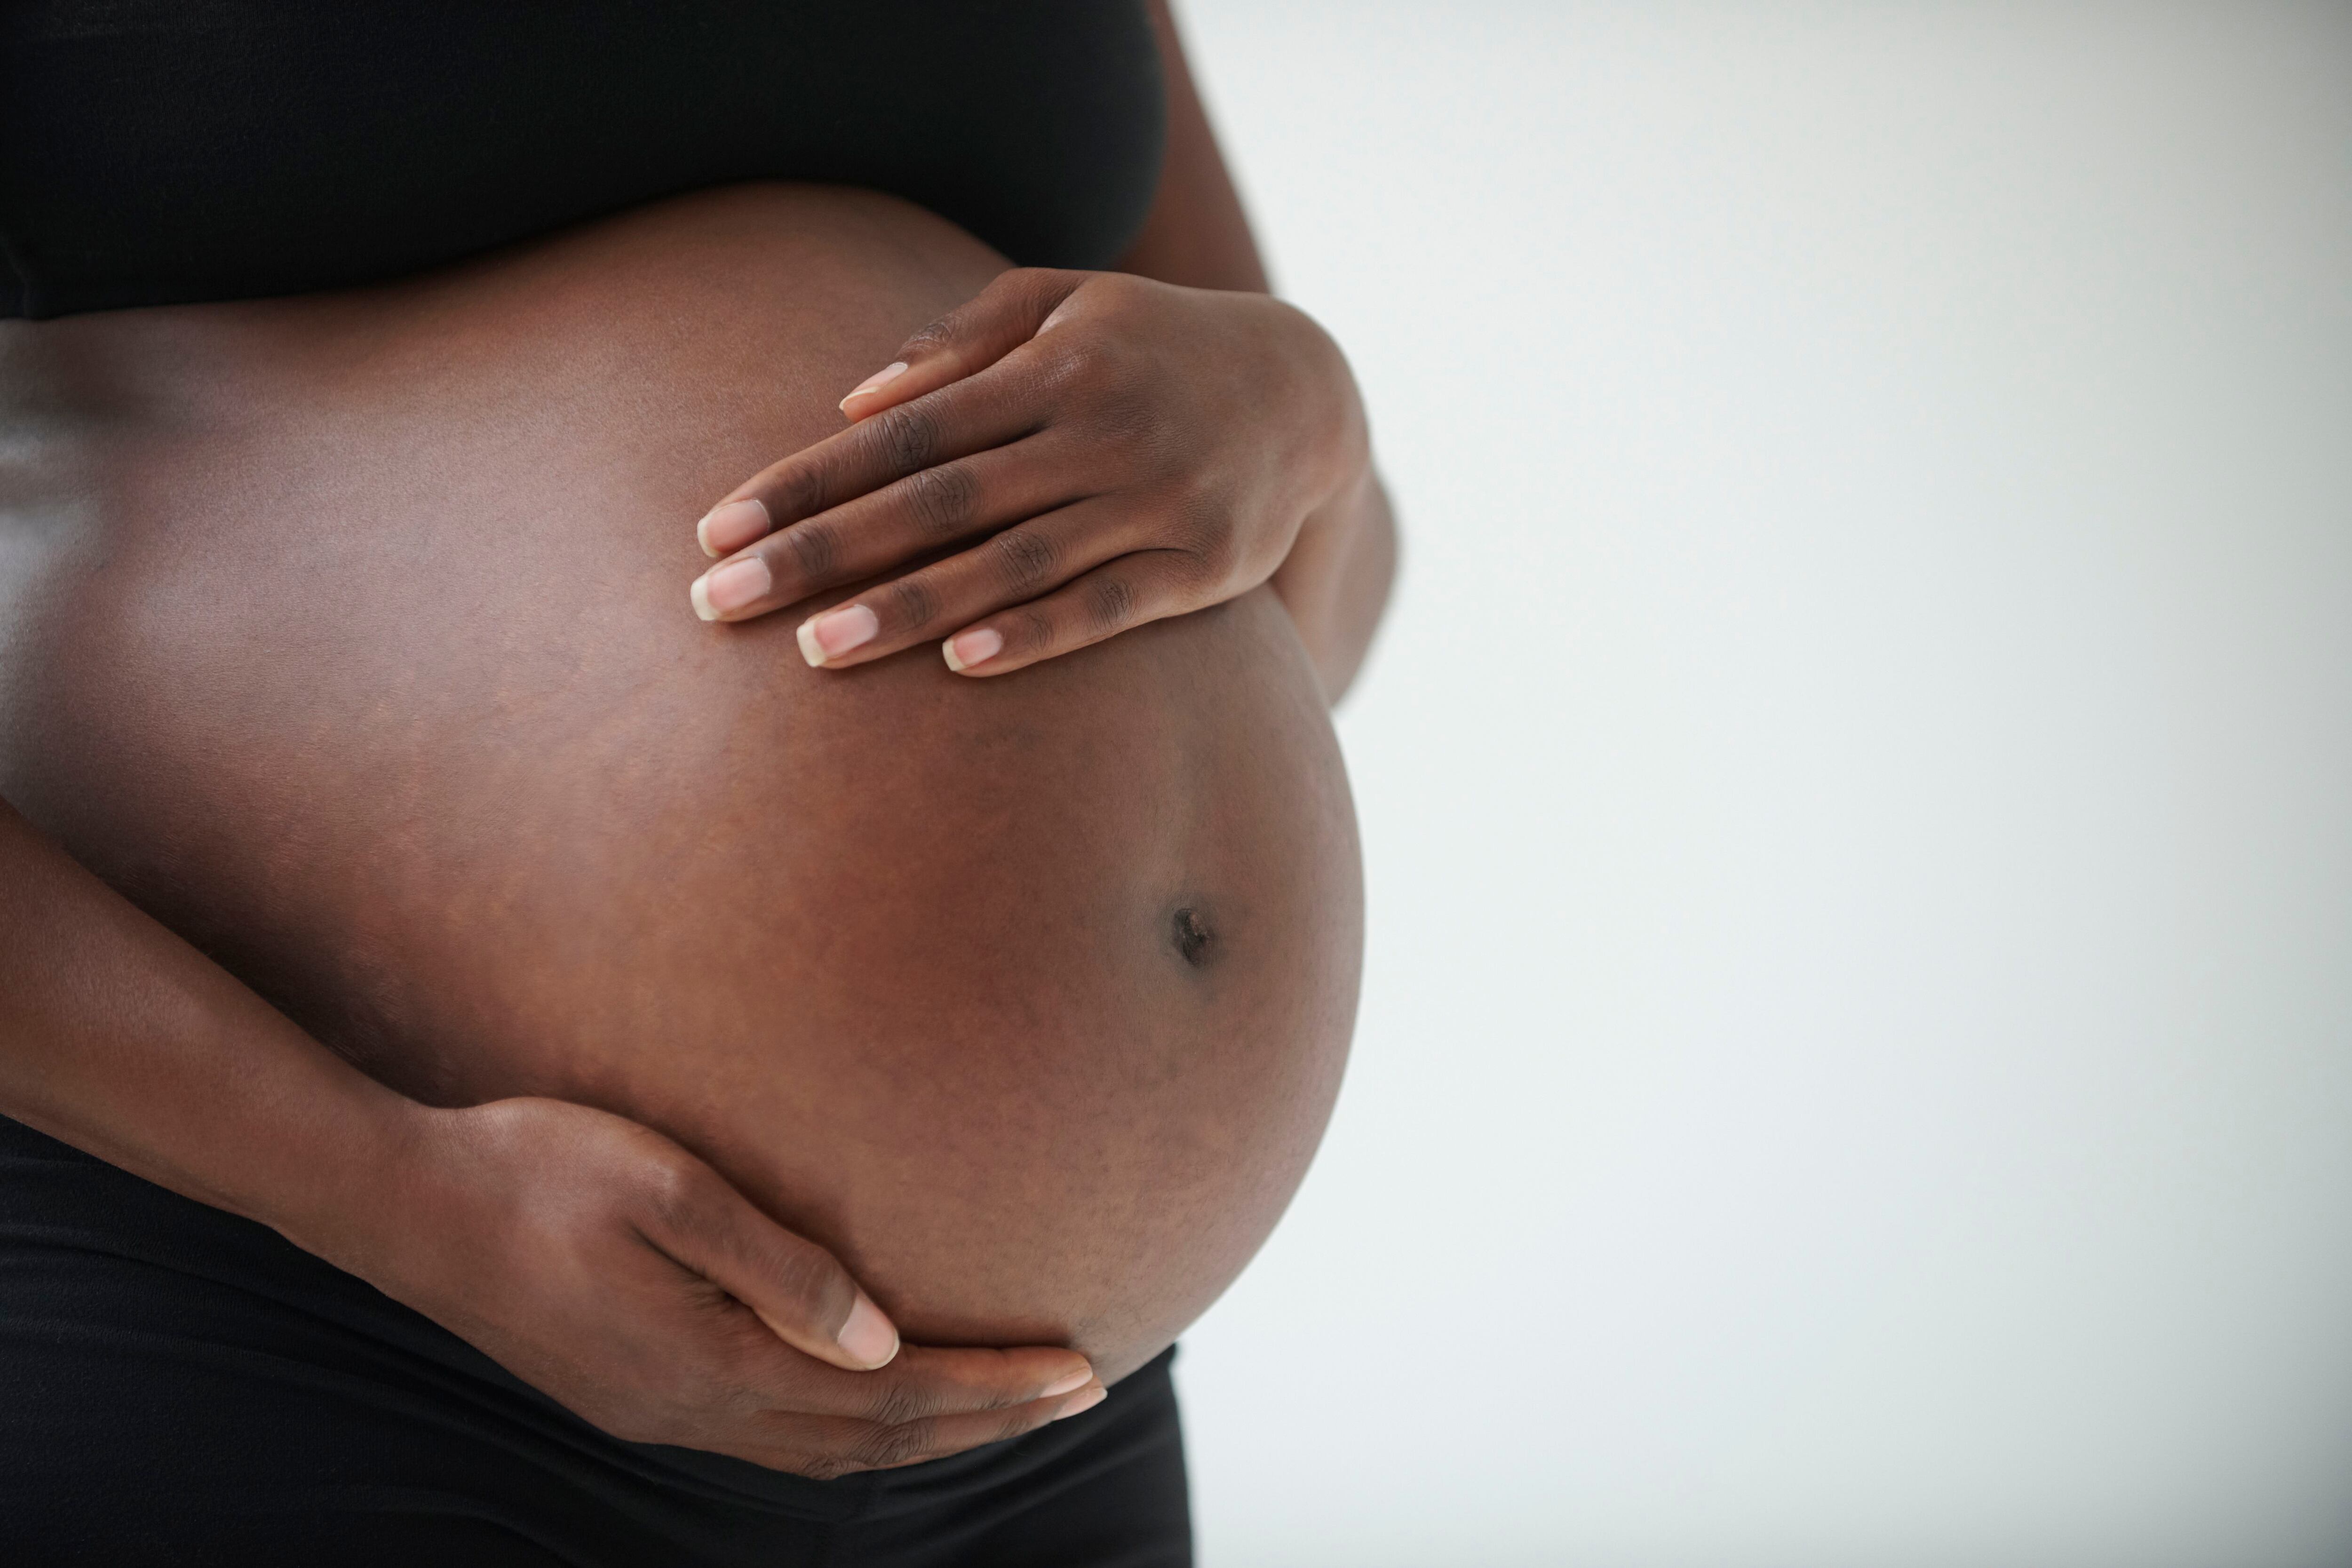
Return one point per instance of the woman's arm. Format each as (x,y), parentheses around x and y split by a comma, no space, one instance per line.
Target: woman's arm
(1196,233)
(554,1237)
(1337,577)
(1129,451)
(124,1041)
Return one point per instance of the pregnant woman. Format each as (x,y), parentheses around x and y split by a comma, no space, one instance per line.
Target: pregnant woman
(564,885)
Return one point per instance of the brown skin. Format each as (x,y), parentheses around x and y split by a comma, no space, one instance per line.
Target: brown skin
(1121,450)
(202,728)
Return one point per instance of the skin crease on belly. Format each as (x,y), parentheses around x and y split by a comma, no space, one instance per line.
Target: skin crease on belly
(349,636)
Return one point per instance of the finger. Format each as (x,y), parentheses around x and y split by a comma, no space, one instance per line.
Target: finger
(797,1287)
(943,1436)
(972,417)
(928,1381)
(1146,586)
(913,517)
(972,336)
(829,1447)
(1007,568)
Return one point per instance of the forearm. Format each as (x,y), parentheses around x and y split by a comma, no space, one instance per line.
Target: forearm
(122,1040)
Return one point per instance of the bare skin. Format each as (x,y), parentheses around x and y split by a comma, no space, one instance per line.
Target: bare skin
(625,977)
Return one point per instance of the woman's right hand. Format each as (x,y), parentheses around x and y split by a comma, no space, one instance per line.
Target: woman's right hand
(589,1256)
(605,1265)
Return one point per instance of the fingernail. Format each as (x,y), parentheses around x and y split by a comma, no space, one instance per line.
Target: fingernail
(1083,1403)
(1062,1384)
(883,377)
(728,527)
(829,636)
(867,1335)
(729,587)
(977,646)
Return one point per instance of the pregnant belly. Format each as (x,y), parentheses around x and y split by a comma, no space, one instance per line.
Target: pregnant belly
(349,636)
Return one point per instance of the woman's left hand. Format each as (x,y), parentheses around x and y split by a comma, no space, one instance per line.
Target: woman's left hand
(1107,449)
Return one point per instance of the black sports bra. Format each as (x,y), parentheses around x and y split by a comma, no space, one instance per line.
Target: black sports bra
(160,151)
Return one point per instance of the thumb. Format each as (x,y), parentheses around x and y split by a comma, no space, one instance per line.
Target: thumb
(796,1288)
(970,338)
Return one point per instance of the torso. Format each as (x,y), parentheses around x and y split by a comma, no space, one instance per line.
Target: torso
(347,636)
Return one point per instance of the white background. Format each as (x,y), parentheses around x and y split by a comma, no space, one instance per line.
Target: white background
(1856,1053)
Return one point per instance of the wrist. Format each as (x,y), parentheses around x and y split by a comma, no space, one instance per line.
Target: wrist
(346,1190)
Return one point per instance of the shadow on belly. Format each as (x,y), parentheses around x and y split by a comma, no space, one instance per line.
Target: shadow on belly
(1029,995)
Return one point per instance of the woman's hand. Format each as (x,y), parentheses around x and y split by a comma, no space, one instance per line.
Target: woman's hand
(608,1266)
(1093,452)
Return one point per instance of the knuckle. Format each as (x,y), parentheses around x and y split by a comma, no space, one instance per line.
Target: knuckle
(913,601)
(1122,288)
(1063,373)
(936,335)
(1025,558)
(1198,574)
(1033,286)
(942,502)
(805,1275)
(1100,360)
(907,438)
(1032,628)
(883,1446)
(1205,531)
(814,548)
(895,1404)
(1110,601)
(798,491)
(672,1192)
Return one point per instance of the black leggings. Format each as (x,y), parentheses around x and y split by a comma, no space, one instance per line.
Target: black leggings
(179,1385)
